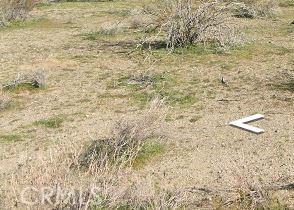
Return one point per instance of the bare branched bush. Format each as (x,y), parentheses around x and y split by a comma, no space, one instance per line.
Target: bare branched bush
(185,23)
(69,187)
(127,138)
(255,8)
(32,80)
(15,10)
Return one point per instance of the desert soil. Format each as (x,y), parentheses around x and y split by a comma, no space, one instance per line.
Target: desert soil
(204,152)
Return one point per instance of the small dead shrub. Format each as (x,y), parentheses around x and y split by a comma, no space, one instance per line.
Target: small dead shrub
(185,23)
(11,10)
(127,138)
(244,11)
(27,81)
(255,8)
(69,187)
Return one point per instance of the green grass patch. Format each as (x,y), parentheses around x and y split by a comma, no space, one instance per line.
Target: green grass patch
(188,52)
(144,88)
(10,138)
(52,122)
(173,97)
(180,98)
(23,87)
(200,49)
(148,152)
(42,5)
(41,23)
(203,54)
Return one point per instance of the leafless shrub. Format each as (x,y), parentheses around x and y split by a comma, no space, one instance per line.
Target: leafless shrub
(255,8)
(185,23)
(225,36)
(33,80)
(126,140)
(113,188)
(15,10)
(243,11)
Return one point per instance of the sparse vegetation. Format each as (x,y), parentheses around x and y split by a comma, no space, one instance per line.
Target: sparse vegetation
(14,10)
(52,122)
(249,200)
(146,86)
(185,23)
(26,82)
(10,138)
(148,151)
(127,140)
(109,30)
(103,160)
(255,8)
(93,127)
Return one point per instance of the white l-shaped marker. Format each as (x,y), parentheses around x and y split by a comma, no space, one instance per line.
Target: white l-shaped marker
(242,123)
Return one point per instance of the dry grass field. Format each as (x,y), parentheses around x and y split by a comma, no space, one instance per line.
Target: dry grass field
(91,96)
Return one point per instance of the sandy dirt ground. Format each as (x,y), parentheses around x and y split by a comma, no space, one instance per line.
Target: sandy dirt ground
(205,153)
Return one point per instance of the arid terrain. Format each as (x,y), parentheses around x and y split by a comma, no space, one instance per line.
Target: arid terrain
(93,79)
